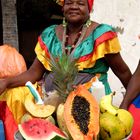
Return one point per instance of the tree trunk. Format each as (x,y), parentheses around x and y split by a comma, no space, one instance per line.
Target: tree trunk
(9,19)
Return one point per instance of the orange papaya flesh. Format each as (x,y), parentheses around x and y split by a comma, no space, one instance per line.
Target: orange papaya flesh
(81,114)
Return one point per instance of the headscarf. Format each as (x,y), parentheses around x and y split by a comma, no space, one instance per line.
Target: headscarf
(90,3)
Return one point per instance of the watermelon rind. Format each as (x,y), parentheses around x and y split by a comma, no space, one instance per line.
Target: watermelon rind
(58,138)
(39,129)
(18,136)
(53,136)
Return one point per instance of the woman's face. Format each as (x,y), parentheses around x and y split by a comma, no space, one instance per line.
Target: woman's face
(76,11)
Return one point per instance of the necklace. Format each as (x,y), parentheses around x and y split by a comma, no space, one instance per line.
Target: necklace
(70,49)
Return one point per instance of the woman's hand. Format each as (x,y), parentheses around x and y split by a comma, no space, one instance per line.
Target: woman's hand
(3,85)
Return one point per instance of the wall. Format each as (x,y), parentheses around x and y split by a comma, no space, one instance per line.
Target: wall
(124,16)
(1,35)
(9,22)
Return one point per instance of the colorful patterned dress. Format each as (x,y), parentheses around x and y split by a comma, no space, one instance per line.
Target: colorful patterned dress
(90,53)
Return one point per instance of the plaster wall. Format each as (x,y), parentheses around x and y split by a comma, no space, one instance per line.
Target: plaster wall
(124,16)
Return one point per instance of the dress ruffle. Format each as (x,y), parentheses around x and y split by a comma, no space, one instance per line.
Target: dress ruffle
(99,43)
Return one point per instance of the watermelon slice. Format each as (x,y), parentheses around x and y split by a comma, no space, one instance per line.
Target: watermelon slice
(40,129)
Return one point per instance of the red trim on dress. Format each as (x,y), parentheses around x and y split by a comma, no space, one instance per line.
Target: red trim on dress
(44,47)
(104,37)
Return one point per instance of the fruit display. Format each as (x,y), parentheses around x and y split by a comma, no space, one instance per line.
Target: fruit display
(115,123)
(76,115)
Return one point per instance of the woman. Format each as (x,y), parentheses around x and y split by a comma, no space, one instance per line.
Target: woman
(132,90)
(131,102)
(96,46)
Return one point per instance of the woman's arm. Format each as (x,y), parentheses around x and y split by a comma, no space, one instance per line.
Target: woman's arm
(33,74)
(119,67)
(133,89)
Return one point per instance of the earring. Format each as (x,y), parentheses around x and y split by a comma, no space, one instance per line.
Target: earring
(64,22)
(88,22)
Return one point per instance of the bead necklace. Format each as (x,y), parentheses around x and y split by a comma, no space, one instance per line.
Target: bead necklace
(70,49)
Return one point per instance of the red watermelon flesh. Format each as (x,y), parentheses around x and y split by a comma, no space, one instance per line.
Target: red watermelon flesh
(39,129)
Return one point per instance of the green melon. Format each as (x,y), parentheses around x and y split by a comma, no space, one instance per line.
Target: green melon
(40,129)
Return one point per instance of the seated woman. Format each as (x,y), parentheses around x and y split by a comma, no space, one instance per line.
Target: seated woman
(132,90)
(95,45)
(131,102)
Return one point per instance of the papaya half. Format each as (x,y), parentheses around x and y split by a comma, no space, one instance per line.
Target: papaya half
(81,114)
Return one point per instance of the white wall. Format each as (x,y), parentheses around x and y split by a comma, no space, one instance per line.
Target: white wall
(124,14)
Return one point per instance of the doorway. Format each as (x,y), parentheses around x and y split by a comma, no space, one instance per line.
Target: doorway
(33,16)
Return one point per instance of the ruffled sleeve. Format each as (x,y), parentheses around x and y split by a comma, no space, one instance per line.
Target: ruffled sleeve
(105,41)
(47,44)
(41,55)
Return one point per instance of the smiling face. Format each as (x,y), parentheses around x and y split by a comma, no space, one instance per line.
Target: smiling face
(76,11)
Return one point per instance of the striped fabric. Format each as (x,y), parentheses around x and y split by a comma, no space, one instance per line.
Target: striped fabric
(90,53)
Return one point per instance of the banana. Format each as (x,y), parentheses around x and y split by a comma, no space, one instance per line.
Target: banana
(106,104)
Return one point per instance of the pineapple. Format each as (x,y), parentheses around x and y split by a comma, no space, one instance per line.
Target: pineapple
(65,70)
